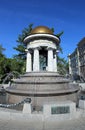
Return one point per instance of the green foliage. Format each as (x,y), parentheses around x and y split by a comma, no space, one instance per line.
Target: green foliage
(24,34)
(63,66)
(59,34)
(52,30)
(15,65)
(8,65)
(21,45)
(1,51)
(2,60)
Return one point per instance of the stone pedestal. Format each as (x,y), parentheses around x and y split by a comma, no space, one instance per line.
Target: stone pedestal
(27,108)
(59,108)
(82,104)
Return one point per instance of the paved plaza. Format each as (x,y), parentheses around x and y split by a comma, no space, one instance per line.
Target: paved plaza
(78,124)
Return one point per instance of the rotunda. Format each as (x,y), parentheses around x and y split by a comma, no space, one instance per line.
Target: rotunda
(41,50)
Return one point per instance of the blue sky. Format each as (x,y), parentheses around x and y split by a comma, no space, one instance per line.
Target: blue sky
(66,15)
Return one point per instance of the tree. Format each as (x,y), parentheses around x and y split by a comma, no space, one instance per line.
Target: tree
(2,61)
(8,66)
(63,67)
(58,35)
(21,46)
(16,65)
(1,51)
(21,57)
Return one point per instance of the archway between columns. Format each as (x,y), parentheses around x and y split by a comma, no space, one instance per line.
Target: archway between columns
(43,58)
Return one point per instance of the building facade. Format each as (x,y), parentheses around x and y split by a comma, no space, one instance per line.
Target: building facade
(77,60)
(81,49)
(73,68)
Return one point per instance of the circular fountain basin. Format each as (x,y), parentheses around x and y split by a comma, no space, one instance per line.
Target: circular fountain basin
(42,87)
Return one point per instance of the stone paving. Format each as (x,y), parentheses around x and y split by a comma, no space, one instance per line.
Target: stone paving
(78,124)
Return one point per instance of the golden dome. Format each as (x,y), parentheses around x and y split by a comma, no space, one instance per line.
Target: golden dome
(41,29)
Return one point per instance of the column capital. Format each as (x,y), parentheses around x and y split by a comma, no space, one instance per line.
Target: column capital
(36,48)
(28,50)
(50,48)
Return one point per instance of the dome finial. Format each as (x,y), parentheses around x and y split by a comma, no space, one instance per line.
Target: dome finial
(41,29)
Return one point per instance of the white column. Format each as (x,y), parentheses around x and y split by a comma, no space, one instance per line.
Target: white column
(55,62)
(28,62)
(50,59)
(36,60)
